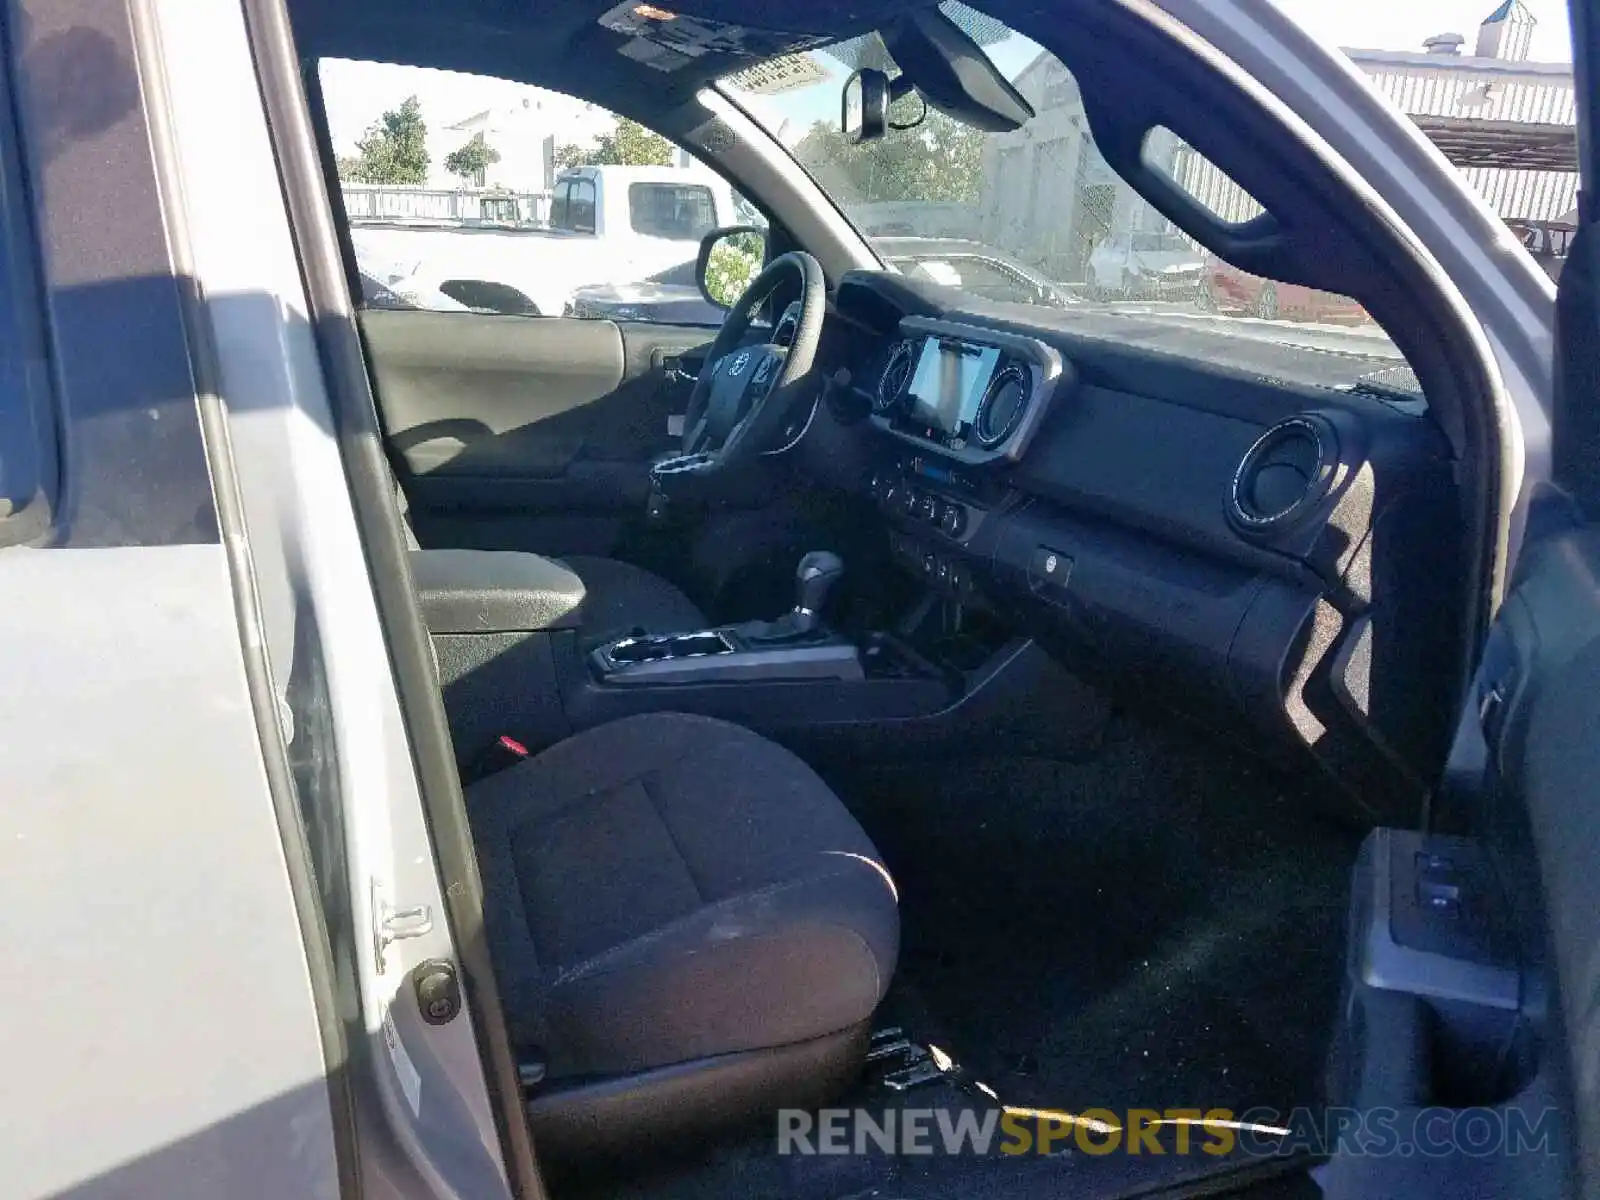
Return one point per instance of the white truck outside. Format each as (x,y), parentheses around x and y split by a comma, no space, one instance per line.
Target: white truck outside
(608,224)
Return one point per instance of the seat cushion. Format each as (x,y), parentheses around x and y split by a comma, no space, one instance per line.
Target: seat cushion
(621,596)
(668,888)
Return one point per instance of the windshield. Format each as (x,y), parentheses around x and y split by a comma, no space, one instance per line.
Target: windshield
(1042,197)
(1171,242)
(971,273)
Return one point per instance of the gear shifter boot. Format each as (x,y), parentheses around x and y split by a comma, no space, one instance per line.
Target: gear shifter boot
(814,579)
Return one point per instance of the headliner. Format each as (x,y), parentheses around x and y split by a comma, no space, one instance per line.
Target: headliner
(560,44)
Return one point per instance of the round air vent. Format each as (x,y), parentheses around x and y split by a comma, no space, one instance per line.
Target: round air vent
(896,378)
(1004,404)
(1288,470)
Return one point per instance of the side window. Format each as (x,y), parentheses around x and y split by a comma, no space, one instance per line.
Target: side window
(561,206)
(467,193)
(583,206)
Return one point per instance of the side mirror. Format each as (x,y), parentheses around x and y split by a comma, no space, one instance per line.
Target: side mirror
(864,110)
(730,258)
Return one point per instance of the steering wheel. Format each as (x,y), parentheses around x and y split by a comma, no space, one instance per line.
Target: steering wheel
(745,393)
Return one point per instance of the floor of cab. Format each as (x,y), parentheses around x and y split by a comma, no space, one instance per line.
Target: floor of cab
(1156,926)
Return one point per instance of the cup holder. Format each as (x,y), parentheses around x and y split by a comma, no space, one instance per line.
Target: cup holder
(662,647)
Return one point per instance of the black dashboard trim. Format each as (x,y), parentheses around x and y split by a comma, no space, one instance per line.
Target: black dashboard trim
(1049,371)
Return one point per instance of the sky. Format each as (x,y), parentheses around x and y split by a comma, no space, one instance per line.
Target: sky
(358,93)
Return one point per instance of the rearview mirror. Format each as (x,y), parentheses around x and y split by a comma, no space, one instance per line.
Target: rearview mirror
(730,258)
(952,73)
(864,115)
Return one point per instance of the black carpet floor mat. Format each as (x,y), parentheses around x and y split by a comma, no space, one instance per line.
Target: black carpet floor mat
(1158,927)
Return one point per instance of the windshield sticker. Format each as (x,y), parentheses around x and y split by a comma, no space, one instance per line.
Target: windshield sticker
(697,36)
(785,73)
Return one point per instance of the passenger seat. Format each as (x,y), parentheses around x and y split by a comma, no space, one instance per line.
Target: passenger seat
(688,927)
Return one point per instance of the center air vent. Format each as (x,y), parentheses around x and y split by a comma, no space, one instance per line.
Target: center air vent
(1004,404)
(1284,475)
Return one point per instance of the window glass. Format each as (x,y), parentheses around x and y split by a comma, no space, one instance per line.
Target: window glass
(467,193)
(1038,217)
(672,210)
(561,207)
(583,211)
(987,277)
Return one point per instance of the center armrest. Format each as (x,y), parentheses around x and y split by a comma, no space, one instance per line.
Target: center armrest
(495,591)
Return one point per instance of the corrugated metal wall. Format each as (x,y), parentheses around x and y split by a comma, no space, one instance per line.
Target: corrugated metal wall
(1487,95)
(1535,94)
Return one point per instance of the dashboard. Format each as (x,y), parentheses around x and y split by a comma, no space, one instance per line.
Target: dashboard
(971,394)
(1263,556)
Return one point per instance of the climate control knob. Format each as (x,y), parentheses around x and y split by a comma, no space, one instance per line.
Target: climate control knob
(928,509)
(953,520)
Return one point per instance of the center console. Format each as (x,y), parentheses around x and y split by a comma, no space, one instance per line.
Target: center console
(720,656)
(515,661)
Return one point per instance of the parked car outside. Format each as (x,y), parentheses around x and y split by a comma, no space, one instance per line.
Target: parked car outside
(672,296)
(973,267)
(1548,241)
(1225,288)
(1144,266)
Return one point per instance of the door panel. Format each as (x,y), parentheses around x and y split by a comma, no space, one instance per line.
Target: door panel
(526,433)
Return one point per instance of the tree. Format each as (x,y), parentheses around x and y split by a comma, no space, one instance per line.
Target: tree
(471,159)
(394,148)
(629,145)
(939,159)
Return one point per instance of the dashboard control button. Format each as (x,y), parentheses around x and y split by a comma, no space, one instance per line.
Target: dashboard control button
(943,572)
(953,520)
(928,509)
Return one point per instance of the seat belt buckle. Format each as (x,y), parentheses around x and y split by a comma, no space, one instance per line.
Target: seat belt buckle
(501,754)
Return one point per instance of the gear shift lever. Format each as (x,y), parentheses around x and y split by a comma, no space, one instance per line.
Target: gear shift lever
(814,579)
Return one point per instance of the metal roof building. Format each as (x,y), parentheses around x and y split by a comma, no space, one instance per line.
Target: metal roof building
(1507,123)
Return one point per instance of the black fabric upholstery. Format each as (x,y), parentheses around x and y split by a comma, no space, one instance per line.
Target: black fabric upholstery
(668,888)
(622,596)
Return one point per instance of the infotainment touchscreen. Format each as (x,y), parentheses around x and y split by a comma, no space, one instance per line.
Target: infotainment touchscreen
(949,383)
